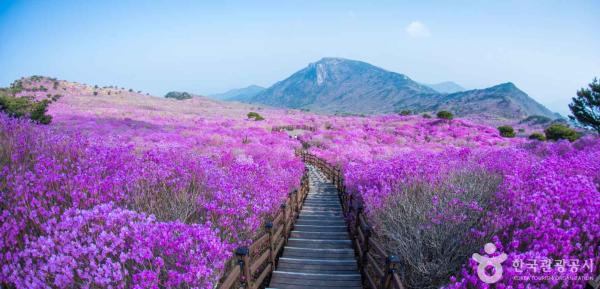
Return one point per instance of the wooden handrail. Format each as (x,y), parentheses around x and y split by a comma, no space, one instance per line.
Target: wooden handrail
(253,271)
(382,274)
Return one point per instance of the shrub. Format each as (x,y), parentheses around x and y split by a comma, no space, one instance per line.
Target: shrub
(38,112)
(23,107)
(15,106)
(444,114)
(506,131)
(429,226)
(95,93)
(426,115)
(537,136)
(406,112)
(255,115)
(559,131)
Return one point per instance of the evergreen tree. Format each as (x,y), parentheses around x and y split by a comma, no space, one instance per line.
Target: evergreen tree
(586,106)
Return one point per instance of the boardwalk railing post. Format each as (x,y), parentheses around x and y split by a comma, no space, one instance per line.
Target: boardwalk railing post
(285,221)
(391,265)
(242,254)
(359,210)
(272,255)
(292,198)
(365,258)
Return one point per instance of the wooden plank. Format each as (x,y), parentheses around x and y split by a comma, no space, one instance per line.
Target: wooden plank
(277,234)
(290,266)
(277,218)
(362,222)
(289,286)
(317,276)
(259,262)
(375,265)
(361,237)
(396,282)
(359,249)
(370,282)
(280,246)
(261,241)
(257,284)
(232,277)
(378,249)
(319,283)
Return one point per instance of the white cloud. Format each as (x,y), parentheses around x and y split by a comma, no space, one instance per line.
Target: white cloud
(417,29)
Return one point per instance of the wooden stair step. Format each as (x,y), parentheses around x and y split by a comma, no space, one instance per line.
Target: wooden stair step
(321,228)
(322,244)
(318,222)
(316,216)
(317,276)
(282,279)
(321,214)
(296,252)
(320,235)
(326,210)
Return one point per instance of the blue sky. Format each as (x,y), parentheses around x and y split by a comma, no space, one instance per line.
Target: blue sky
(547,48)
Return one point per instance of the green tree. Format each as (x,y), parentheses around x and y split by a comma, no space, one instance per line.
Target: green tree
(586,106)
(444,114)
(507,131)
(406,112)
(560,131)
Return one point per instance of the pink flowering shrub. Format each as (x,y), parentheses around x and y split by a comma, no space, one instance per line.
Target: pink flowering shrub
(54,185)
(112,247)
(544,208)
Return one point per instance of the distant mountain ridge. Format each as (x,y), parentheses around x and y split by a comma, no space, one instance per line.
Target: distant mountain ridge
(239,94)
(337,85)
(340,85)
(503,100)
(446,87)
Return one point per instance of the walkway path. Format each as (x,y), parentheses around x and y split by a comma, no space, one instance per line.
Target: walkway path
(319,251)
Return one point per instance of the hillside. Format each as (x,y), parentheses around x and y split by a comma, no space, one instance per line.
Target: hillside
(503,100)
(336,85)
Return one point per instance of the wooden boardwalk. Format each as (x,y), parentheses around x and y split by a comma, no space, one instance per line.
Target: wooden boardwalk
(319,252)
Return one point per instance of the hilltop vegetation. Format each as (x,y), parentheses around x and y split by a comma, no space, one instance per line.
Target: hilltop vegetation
(178,95)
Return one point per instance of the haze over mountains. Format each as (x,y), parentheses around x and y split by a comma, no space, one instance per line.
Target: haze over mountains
(343,86)
(446,87)
(239,94)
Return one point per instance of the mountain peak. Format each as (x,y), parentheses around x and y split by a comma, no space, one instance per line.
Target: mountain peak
(507,85)
(333,60)
(338,85)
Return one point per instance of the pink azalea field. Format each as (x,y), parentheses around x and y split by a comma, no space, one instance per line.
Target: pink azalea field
(124,190)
